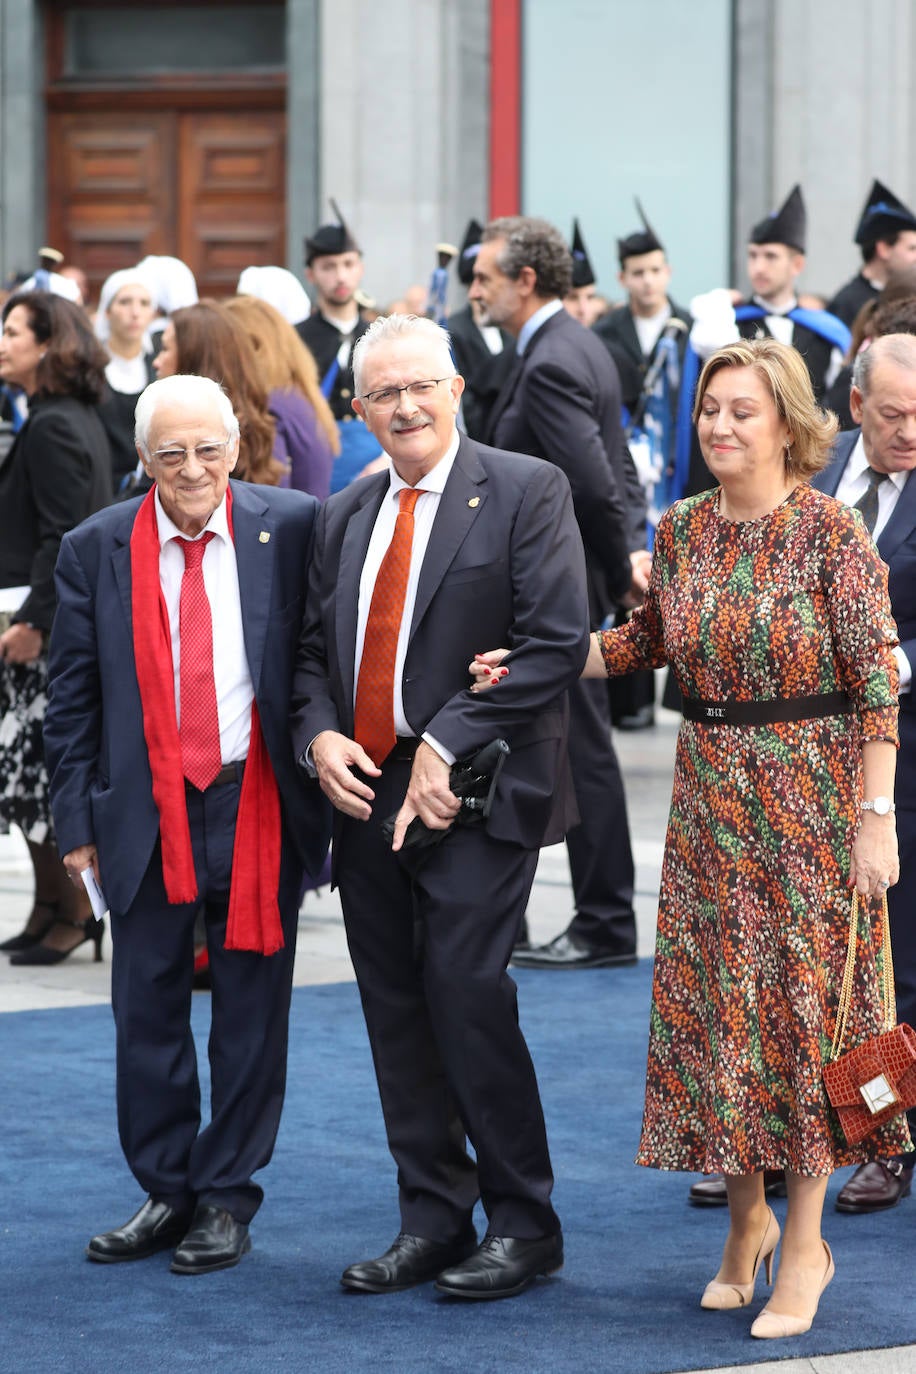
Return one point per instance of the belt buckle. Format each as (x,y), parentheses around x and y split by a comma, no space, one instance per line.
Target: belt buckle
(716,712)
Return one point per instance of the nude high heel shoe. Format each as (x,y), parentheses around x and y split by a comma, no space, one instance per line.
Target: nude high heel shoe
(723,1297)
(773,1325)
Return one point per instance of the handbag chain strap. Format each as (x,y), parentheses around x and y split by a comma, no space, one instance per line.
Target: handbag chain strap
(887,974)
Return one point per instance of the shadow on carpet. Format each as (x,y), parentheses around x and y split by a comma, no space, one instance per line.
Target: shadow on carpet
(637,1256)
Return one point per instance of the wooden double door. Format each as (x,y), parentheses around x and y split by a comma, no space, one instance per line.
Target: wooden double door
(204,185)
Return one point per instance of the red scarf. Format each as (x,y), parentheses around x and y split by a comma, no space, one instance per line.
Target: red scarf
(254,915)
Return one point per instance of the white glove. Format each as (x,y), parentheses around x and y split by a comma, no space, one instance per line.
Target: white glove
(713,321)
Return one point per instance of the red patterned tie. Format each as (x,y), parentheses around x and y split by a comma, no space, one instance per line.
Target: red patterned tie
(374,715)
(199,730)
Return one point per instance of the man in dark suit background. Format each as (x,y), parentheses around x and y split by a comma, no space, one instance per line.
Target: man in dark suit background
(562,402)
(172,777)
(483,353)
(414,572)
(872,468)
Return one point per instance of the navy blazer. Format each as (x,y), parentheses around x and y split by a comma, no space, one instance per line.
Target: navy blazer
(897,546)
(101,784)
(561,402)
(504,566)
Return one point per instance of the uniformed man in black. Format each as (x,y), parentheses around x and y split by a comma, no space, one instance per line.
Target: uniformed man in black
(886,234)
(334,268)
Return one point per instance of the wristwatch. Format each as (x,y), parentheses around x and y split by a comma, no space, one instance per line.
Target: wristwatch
(882,806)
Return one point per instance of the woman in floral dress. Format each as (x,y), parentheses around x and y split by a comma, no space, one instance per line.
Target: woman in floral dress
(768,593)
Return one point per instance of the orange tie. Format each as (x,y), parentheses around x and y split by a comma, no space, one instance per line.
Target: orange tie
(373,726)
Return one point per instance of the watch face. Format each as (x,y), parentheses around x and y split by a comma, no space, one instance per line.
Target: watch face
(882,805)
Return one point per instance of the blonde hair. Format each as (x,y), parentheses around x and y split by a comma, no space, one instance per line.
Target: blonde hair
(782,369)
(284,362)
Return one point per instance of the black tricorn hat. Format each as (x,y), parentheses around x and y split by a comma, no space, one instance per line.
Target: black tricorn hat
(330,238)
(883,215)
(645,240)
(582,268)
(787,225)
(470,247)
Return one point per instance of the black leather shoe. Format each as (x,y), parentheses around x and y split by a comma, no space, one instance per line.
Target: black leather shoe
(502,1267)
(875,1186)
(710,1192)
(214,1241)
(409,1261)
(567,952)
(157,1226)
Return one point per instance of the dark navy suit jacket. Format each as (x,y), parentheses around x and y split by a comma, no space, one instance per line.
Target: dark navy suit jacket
(897,546)
(504,566)
(101,784)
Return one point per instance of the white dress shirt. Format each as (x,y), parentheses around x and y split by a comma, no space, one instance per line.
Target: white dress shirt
(649,327)
(234,689)
(432,487)
(852,487)
(532,325)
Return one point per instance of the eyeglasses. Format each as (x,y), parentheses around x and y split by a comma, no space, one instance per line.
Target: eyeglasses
(211,451)
(390,396)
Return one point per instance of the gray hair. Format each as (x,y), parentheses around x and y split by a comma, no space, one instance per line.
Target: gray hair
(533,243)
(894,348)
(388,328)
(182,389)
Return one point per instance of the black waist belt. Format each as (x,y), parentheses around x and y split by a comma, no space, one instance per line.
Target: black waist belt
(767,712)
(405,746)
(230,772)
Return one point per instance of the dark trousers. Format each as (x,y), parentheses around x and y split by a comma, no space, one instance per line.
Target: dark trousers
(430,937)
(600,854)
(903,929)
(159,1118)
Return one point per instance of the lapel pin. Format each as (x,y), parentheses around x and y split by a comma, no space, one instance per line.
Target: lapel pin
(264,537)
(474,501)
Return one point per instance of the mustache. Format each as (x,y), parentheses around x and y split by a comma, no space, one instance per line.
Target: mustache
(398,425)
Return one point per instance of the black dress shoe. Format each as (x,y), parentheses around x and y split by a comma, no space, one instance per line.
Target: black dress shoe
(409,1261)
(502,1267)
(875,1186)
(157,1226)
(214,1241)
(567,952)
(710,1192)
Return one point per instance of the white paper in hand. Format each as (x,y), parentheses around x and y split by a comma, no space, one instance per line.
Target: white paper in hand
(96,895)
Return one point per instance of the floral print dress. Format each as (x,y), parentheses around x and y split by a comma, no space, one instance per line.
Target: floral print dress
(754,904)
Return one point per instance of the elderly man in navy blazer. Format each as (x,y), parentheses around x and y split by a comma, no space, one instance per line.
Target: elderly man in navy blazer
(456,547)
(173,778)
(872,468)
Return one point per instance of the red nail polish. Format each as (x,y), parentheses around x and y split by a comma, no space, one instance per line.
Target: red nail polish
(494,681)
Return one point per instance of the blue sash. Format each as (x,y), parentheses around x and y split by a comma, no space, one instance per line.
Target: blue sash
(820,322)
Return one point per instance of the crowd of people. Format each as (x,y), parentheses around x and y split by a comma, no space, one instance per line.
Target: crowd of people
(272,574)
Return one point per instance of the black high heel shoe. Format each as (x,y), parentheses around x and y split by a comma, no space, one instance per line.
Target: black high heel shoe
(93,929)
(27,938)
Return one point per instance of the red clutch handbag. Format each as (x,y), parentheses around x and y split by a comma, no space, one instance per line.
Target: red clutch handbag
(876,1081)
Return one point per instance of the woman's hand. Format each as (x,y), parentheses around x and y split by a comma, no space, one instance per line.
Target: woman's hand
(875,866)
(485,669)
(21,644)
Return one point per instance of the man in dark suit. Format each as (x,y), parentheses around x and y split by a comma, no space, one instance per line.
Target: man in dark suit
(872,468)
(483,353)
(562,402)
(400,600)
(172,778)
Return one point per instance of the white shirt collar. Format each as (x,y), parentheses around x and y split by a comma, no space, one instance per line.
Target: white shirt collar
(436,478)
(533,324)
(218,524)
(774,310)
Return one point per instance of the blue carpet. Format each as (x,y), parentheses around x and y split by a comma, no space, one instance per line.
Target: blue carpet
(637,1254)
